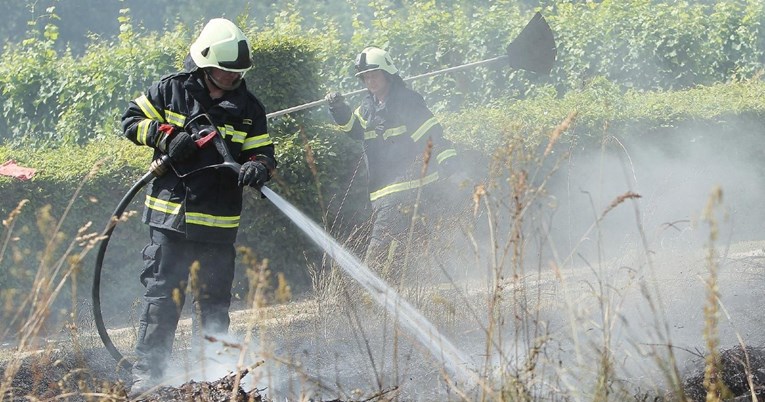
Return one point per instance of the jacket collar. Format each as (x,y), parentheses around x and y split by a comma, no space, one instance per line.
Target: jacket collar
(197,88)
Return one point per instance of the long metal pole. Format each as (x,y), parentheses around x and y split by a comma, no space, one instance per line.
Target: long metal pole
(430,74)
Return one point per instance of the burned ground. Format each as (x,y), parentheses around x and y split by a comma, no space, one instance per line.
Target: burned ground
(52,373)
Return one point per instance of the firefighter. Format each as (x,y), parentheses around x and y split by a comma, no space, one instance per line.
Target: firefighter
(193,218)
(406,155)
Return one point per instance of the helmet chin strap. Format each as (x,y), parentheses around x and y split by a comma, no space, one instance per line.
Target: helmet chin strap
(220,86)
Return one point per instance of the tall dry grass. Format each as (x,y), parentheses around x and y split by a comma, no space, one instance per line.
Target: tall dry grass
(511,307)
(31,307)
(512,276)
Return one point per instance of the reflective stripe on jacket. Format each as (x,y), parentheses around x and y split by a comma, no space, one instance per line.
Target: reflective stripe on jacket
(206,206)
(395,135)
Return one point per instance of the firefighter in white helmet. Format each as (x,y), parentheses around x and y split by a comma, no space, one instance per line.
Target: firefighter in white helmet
(194,219)
(406,155)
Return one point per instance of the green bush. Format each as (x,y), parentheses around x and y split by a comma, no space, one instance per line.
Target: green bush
(602,108)
(637,44)
(645,44)
(51,99)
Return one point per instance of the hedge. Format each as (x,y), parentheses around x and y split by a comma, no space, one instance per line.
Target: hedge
(52,97)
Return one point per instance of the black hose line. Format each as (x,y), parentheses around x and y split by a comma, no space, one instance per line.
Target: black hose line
(106,235)
(158,168)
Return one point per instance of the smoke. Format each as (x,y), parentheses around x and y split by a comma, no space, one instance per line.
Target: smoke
(629,282)
(609,277)
(214,357)
(675,177)
(632,279)
(596,282)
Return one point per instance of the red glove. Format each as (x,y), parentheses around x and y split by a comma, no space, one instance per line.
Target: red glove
(179,144)
(164,133)
(168,129)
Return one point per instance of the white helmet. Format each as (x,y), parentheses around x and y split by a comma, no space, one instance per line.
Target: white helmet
(222,44)
(374,58)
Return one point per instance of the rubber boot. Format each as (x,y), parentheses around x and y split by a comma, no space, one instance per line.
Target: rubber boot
(143,382)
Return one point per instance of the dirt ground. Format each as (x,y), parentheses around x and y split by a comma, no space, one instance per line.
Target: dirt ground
(351,350)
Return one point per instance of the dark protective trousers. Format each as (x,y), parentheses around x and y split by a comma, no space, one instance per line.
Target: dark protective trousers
(166,275)
(394,218)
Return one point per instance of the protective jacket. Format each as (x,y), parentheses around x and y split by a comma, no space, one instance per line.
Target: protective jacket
(395,135)
(204,205)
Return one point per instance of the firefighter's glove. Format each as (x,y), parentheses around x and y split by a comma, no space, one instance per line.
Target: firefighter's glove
(334,99)
(253,174)
(181,146)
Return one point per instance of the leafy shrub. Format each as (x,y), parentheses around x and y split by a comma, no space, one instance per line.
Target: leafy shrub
(645,44)
(639,44)
(50,99)
(602,107)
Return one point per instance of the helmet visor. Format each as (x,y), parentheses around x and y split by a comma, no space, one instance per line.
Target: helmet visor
(363,66)
(224,79)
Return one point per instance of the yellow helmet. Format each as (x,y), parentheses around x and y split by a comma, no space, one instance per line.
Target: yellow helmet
(374,58)
(222,44)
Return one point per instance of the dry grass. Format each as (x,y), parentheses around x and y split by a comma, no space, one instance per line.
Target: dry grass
(539,323)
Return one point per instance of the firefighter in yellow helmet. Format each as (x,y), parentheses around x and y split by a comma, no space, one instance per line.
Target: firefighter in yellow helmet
(406,155)
(193,218)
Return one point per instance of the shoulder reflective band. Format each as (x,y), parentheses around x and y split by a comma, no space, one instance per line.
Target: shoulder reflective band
(148,109)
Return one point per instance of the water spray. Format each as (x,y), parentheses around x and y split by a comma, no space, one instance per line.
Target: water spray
(419,327)
(411,319)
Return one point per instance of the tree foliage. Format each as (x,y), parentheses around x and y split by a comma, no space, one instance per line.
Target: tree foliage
(53,94)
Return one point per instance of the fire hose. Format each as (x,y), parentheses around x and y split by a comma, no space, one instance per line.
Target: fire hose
(202,137)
